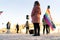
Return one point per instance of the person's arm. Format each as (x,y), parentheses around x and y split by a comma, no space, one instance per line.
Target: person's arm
(32,14)
(40,11)
(50,14)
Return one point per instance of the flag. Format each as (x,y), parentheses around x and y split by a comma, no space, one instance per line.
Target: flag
(48,20)
(1,12)
(53,25)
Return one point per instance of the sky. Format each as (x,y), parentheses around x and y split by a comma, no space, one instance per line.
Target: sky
(15,11)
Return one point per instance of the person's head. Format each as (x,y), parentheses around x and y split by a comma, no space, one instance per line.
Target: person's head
(8,21)
(27,16)
(48,7)
(36,3)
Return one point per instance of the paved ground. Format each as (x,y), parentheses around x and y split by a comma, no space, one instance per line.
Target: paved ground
(29,37)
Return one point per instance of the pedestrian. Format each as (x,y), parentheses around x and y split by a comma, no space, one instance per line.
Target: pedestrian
(45,26)
(35,15)
(8,27)
(46,20)
(27,27)
(17,28)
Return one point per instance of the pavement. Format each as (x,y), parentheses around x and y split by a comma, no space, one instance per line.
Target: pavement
(54,36)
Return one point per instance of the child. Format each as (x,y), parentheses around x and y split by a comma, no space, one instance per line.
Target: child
(27,27)
(27,24)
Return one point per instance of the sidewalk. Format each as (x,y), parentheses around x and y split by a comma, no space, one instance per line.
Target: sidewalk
(29,37)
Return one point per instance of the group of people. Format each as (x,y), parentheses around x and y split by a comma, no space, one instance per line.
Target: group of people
(35,15)
(8,27)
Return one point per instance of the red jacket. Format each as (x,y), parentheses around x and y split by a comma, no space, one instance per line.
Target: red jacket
(35,15)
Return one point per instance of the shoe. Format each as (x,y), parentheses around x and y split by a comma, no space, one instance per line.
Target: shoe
(38,35)
(34,35)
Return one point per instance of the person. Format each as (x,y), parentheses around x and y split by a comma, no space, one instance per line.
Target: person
(27,27)
(35,15)
(27,24)
(8,27)
(17,27)
(46,25)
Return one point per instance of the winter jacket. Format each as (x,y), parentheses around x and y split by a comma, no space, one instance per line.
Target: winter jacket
(35,15)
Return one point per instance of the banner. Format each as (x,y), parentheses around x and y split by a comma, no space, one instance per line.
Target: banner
(1,12)
(48,20)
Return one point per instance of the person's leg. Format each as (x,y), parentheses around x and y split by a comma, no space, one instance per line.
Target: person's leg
(17,30)
(26,31)
(38,29)
(7,31)
(35,31)
(47,29)
(43,29)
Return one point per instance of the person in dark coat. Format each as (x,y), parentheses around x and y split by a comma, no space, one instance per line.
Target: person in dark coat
(17,28)
(8,27)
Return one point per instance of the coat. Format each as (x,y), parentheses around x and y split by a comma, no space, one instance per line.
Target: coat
(8,25)
(35,15)
(17,27)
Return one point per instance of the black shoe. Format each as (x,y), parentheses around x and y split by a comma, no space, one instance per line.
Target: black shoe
(38,35)
(34,35)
